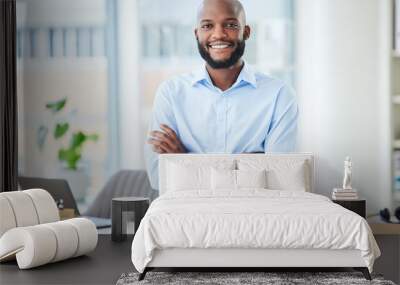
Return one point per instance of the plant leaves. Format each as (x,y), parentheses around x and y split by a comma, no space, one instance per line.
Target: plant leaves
(41,136)
(60,130)
(57,105)
(70,156)
(92,137)
(77,140)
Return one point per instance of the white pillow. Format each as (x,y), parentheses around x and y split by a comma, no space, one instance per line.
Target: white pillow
(236,179)
(223,179)
(290,179)
(183,176)
(251,178)
(282,174)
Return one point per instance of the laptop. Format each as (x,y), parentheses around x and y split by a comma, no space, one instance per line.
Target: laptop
(59,189)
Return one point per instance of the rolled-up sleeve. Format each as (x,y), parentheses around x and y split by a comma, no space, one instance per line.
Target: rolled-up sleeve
(162,114)
(282,134)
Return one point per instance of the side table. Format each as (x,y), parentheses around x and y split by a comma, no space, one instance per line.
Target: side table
(357,206)
(123,210)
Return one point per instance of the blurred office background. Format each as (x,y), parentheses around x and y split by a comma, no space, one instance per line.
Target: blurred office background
(88,71)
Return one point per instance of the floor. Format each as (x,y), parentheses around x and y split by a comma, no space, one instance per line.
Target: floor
(110,259)
(102,266)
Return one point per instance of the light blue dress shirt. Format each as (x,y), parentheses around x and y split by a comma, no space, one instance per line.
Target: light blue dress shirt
(256,114)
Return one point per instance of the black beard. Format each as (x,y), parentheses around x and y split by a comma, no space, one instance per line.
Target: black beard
(232,60)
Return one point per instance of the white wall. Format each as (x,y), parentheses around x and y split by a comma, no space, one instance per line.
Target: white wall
(342,83)
(131,146)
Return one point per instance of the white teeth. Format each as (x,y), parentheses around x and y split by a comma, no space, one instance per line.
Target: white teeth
(219,46)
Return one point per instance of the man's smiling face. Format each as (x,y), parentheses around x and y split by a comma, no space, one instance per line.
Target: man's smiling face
(221,32)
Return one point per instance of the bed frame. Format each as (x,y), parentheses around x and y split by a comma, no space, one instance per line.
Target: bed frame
(249,259)
(246,259)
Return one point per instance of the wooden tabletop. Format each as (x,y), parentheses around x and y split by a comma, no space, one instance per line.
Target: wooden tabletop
(380,227)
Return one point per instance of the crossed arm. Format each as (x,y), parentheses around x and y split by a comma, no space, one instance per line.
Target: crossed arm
(166,141)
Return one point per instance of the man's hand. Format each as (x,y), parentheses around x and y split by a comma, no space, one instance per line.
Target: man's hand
(166,141)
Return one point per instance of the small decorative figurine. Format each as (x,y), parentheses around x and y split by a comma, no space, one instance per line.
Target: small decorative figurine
(347,174)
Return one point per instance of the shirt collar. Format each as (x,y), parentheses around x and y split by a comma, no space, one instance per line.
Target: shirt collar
(201,74)
(247,74)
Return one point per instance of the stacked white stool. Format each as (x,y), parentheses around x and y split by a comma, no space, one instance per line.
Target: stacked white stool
(31,230)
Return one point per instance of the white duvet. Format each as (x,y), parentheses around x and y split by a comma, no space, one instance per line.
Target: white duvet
(250,218)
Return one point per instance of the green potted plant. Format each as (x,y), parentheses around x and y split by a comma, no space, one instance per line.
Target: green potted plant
(71,155)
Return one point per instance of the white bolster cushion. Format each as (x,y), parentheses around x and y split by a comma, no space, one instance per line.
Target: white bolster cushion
(7,218)
(33,246)
(23,208)
(45,205)
(66,238)
(26,208)
(37,245)
(87,235)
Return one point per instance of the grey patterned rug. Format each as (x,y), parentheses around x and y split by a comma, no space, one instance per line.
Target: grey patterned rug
(243,278)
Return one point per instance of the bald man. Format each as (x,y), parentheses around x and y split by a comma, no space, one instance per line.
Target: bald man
(225,106)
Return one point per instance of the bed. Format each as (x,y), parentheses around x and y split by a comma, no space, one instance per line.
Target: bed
(246,211)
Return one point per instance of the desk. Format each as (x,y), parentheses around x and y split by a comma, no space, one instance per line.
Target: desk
(388,238)
(102,266)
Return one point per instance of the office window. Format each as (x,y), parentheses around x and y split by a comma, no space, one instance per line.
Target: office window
(64,93)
